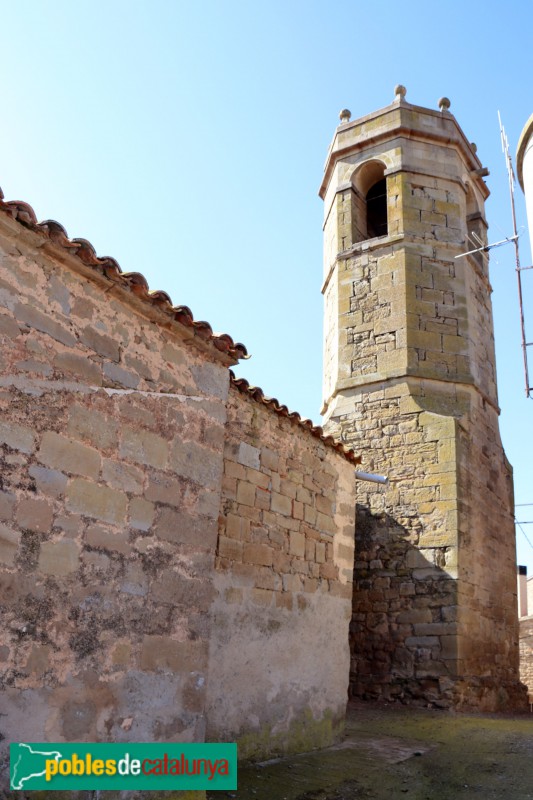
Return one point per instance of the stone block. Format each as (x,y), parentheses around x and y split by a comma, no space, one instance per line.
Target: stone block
(178,590)
(121,654)
(297,544)
(100,343)
(70,524)
(34,367)
(166,654)
(329,571)
(100,502)
(288,488)
(230,548)
(48,481)
(122,476)
(98,429)
(259,479)
(95,560)
(257,554)
(324,505)
(197,463)
(120,376)
(173,355)
(320,552)
(281,562)
(7,505)
(8,327)
(269,459)
(263,499)
(211,379)
(183,528)
(18,437)
(281,504)
(310,515)
(38,660)
(59,558)
(300,565)
(436,629)
(449,646)
(104,539)
(80,367)
(284,600)
(164,488)
(262,597)
(229,488)
(233,596)
(310,549)
(304,496)
(45,323)
(141,513)
(292,583)
(415,615)
(422,641)
(234,470)
(143,447)
(246,493)
(248,456)
(9,542)
(325,523)
(237,527)
(69,456)
(35,514)
(266,578)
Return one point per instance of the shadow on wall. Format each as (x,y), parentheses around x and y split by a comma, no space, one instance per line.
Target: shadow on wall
(403,633)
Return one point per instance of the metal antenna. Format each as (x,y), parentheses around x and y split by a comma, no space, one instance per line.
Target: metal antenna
(519,269)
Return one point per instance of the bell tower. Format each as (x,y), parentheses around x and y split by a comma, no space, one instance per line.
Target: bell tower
(410,383)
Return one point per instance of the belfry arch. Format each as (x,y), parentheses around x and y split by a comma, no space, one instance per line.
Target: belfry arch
(370,190)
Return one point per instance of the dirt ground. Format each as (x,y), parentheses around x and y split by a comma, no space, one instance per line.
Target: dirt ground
(393,752)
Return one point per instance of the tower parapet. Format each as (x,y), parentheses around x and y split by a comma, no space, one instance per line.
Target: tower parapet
(410,381)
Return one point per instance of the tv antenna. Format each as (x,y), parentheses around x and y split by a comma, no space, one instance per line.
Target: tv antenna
(484,248)
(518,268)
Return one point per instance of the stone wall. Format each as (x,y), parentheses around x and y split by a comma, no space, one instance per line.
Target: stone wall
(111,446)
(279,656)
(156,528)
(526,654)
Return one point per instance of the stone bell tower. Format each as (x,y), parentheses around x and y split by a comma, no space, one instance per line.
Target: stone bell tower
(410,383)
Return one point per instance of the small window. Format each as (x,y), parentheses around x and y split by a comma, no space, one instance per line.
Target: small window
(369,201)
(376,209)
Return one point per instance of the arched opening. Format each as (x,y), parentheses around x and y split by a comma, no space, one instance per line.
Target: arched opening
(376,209)
(370,201)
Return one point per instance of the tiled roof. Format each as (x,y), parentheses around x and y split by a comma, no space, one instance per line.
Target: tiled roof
(259,396)
(132,281)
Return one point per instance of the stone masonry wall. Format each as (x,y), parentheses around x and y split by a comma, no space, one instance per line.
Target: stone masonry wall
(430,611)
(526,653)
(175,559)
(111,439)
(279,656)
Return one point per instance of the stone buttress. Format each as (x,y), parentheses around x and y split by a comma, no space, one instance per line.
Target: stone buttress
(410,383)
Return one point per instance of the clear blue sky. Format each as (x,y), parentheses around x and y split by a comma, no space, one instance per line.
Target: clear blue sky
(187,140)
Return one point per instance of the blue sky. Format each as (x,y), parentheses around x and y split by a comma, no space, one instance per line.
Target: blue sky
(188,140)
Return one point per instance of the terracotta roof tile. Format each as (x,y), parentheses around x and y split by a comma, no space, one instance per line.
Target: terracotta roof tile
(132,281)
(259,396)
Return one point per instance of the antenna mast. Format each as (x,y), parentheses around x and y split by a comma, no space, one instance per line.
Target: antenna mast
(519,269)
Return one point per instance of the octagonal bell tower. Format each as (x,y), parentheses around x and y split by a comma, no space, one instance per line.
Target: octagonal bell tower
(410,383)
